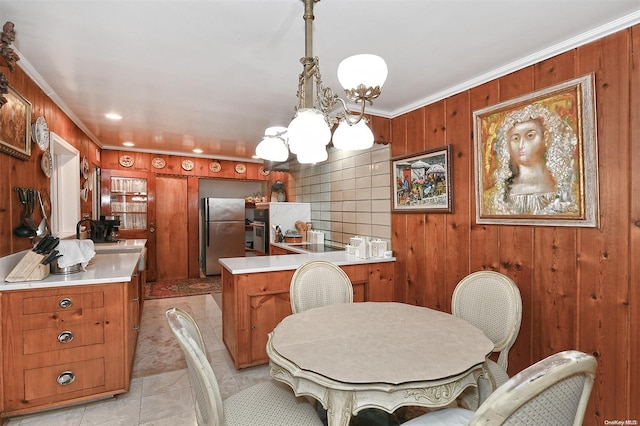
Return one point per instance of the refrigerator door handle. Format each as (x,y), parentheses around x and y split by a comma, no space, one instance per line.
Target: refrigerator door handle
(206,219)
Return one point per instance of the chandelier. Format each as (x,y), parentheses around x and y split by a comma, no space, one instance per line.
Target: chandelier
(317,110)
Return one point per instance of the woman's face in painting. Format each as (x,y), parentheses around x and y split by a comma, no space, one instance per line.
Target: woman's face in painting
(527,142)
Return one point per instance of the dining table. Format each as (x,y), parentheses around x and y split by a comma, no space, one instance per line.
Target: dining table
(383,355)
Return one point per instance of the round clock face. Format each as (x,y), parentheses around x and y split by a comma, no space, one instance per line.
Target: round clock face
(241,168)
(187,165)
(215,167)
(263,172)
(126,161)
(158,163)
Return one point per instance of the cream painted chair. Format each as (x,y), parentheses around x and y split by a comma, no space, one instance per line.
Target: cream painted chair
(552,392)
(490,301)
(319,283)
(264,404)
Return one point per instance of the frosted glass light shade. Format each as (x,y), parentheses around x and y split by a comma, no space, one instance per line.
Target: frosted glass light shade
(308,128)
(273,147)
(355,137)
(368,70)
(312,155)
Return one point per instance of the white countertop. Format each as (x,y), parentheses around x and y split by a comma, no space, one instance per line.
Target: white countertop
(109,265)
(250,265)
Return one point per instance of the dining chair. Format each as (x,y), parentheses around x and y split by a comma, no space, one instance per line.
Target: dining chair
(554,391)
(490,301)
(319,283)
(267,403)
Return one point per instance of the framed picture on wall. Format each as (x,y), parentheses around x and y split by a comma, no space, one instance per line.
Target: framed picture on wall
(422,182)
(536,158)
(15,125)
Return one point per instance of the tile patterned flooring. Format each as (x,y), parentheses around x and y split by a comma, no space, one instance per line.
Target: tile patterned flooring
(160,390)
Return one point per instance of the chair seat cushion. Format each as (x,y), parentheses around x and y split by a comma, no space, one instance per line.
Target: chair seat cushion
(446,417)
(269,404)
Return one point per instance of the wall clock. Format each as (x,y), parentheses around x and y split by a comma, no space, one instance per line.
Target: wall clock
(158,162)
(187,165)
(215,167)
(126,161)
(263,172)
(241,168)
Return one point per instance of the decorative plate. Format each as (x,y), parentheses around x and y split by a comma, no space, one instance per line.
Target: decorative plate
(84,193)
(263,172)
(40,133)
(215,167)
(241,168)
(187,165)
(158,163)
(46,164)
(126,161)
(84,165)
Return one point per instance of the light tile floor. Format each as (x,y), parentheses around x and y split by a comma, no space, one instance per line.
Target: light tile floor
(160,390)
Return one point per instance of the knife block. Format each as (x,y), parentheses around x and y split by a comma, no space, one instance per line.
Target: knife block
(29,268)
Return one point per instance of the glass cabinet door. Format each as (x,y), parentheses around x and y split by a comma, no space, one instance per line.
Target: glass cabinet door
(128,199)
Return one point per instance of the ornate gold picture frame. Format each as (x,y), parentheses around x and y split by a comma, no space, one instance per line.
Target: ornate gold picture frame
(536,158)
(15,125)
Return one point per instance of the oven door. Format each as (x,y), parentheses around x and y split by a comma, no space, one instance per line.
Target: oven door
(260,237)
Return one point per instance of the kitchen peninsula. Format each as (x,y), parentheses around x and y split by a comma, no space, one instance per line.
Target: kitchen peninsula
(70,338)
(255,294)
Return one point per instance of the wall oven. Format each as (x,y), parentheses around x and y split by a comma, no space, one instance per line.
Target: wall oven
(261,231)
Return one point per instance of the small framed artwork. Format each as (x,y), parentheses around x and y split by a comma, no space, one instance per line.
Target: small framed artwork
(422,182)
(536,158)
(15,125)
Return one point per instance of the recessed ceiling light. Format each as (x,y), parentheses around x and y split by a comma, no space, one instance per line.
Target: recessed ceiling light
(128,143)
(197,151)
(113,116)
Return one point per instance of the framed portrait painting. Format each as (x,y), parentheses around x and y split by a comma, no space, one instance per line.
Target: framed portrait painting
(422,182)
(536,158)
(15,125)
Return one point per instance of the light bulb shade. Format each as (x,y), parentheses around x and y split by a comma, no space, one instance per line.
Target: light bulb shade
(308,128)
(355,137)
(312,155)
(273,147)
(368,70)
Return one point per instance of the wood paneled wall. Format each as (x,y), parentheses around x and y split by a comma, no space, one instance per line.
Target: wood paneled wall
(28,174)
(579,286)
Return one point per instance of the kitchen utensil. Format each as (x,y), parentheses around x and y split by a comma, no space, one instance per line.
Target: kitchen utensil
(23,230)
(31,200)
(55,254)
(43,227)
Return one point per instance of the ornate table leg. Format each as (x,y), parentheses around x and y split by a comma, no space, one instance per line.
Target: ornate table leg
(339,407)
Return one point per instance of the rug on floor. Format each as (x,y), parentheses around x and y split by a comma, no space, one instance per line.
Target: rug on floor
(163,289)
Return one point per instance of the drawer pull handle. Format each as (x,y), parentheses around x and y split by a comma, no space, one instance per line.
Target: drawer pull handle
(136,299)
(66,378)
(65,303)
(65,337)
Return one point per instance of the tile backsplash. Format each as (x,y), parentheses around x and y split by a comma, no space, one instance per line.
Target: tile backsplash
(349,193)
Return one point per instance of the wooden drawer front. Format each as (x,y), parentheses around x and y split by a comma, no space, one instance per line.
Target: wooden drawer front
(42,382)
(62,319)
(56,338)
(38,305)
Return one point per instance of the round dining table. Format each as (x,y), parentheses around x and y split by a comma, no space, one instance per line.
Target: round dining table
(384,355)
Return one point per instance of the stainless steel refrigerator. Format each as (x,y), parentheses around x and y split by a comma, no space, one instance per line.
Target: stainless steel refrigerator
(222,233)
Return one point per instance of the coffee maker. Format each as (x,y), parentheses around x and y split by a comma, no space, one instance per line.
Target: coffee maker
(108,229)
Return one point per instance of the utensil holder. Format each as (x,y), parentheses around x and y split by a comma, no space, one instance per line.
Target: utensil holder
(29,268)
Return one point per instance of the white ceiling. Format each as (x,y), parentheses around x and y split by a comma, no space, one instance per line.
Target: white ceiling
(214,74)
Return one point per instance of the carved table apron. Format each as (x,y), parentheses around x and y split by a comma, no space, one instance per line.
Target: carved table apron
(381,355)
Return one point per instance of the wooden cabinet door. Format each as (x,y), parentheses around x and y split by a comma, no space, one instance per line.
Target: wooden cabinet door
(267,310)
(172,218)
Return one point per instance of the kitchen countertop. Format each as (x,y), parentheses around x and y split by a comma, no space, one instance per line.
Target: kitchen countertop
(250,265)
(113,262)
